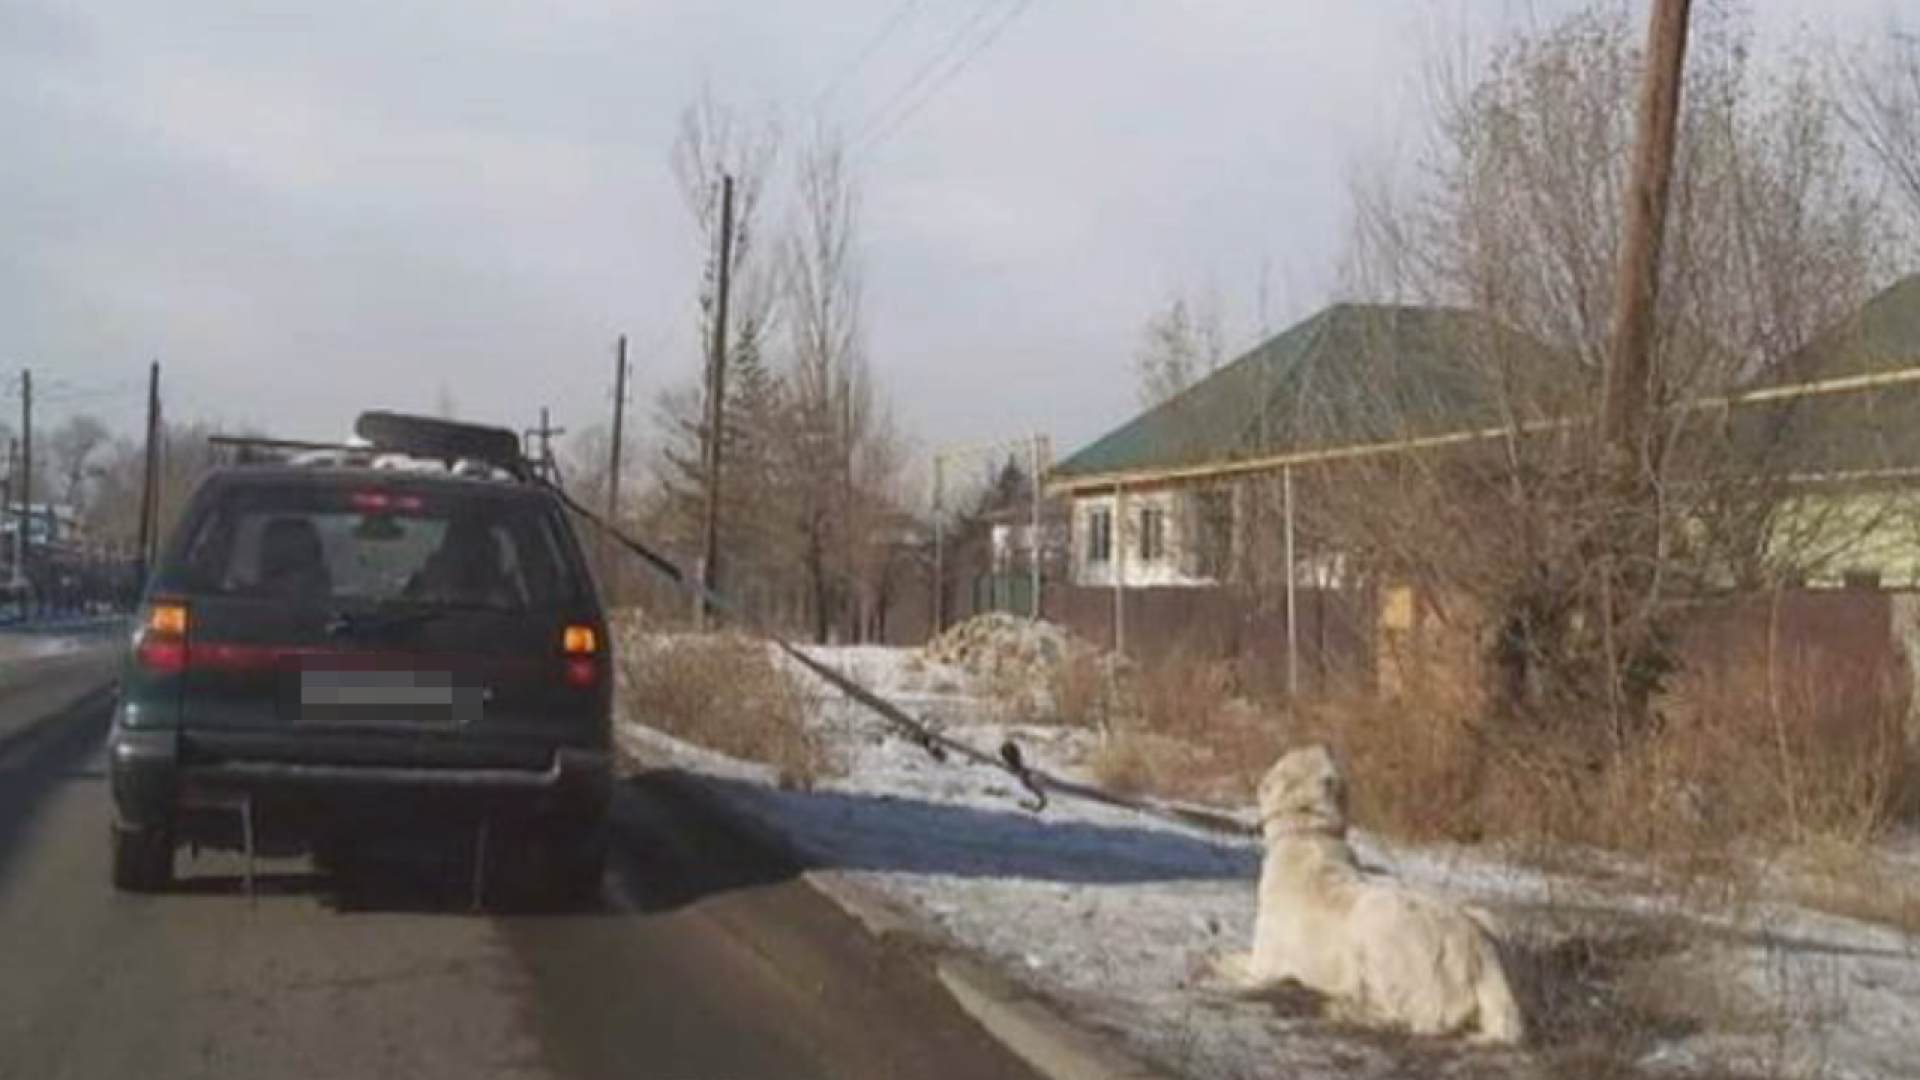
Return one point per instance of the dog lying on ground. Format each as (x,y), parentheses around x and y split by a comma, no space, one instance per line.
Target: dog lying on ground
(1384,953)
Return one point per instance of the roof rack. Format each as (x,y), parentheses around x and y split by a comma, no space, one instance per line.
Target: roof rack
(396,441)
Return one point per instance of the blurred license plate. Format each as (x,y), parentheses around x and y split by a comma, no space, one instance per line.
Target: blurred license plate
(386,698)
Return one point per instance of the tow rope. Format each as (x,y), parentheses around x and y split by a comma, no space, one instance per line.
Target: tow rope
(940,747)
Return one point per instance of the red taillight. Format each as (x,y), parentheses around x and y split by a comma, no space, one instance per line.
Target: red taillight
(581,671)
(162,657)
(162,645)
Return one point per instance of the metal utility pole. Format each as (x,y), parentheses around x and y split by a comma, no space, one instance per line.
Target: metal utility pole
(1637,279)
(149,493)
(717,397)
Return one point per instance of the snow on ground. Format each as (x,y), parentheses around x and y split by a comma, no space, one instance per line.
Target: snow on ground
(1118,916)
(17,645)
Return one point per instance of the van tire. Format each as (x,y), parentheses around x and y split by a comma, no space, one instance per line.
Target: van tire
(575,851)
(576,875)
(142,860)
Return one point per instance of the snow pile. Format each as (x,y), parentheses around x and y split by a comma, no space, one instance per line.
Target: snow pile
(1003,648)
(1118,918)
(1033,669)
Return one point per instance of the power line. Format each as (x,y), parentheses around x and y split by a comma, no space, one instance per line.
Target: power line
(907,106)
(68,391)
(930,68)
(867,51)
(89,397)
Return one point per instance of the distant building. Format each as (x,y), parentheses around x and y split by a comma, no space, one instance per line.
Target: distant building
(50,526)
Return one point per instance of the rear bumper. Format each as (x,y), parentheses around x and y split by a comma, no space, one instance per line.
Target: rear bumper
(152,780)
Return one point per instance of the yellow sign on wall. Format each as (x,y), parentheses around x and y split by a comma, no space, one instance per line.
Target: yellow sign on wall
(1396,608)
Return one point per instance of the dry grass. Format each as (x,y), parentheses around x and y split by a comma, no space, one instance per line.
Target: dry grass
(1855,882)
(1085,690)
(1740,765)
(1177,729)
(726,693)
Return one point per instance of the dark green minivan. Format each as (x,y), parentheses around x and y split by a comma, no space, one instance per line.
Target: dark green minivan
(329,653)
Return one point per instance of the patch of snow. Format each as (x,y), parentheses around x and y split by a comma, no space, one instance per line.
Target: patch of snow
(17,646)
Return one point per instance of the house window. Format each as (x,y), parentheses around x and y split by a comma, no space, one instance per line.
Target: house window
(1153,534)
(1099,536)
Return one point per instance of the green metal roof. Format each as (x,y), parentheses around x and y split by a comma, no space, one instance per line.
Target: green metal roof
(1864,430)
(1882,336)
(1351,373)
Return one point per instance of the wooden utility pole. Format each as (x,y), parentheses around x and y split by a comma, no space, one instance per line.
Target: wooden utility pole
(608,567)
(717,397)
(25,524)
(1629,372)
(614,455)
(149,493)
(546,433)
(1628,397)
(13,480)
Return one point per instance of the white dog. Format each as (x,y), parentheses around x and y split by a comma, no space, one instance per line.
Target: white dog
(1388,954)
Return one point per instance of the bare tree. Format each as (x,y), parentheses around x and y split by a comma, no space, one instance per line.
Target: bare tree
(1881,88)
(1514,216)
(812,455)
(1181,343)
(716,141)
(74,447)
(119,473)
(845,454)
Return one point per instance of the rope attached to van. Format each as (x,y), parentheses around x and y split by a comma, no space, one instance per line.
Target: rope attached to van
(1037,783)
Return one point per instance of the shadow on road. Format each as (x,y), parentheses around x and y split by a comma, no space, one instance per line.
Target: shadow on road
(58,752)
(891,834)
(429,879)
(678,849)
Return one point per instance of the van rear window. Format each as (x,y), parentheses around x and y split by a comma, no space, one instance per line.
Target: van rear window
(374,546)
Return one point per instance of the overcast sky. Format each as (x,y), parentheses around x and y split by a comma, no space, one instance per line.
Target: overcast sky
(308,208)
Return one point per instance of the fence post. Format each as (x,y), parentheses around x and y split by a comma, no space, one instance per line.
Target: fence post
(1293,609)
(1117,549)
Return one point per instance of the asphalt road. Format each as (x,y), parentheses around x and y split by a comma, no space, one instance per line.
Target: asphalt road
(706,958)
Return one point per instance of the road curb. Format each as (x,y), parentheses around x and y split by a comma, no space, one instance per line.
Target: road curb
(1030,1026)
(12,739)
(1027,1024)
